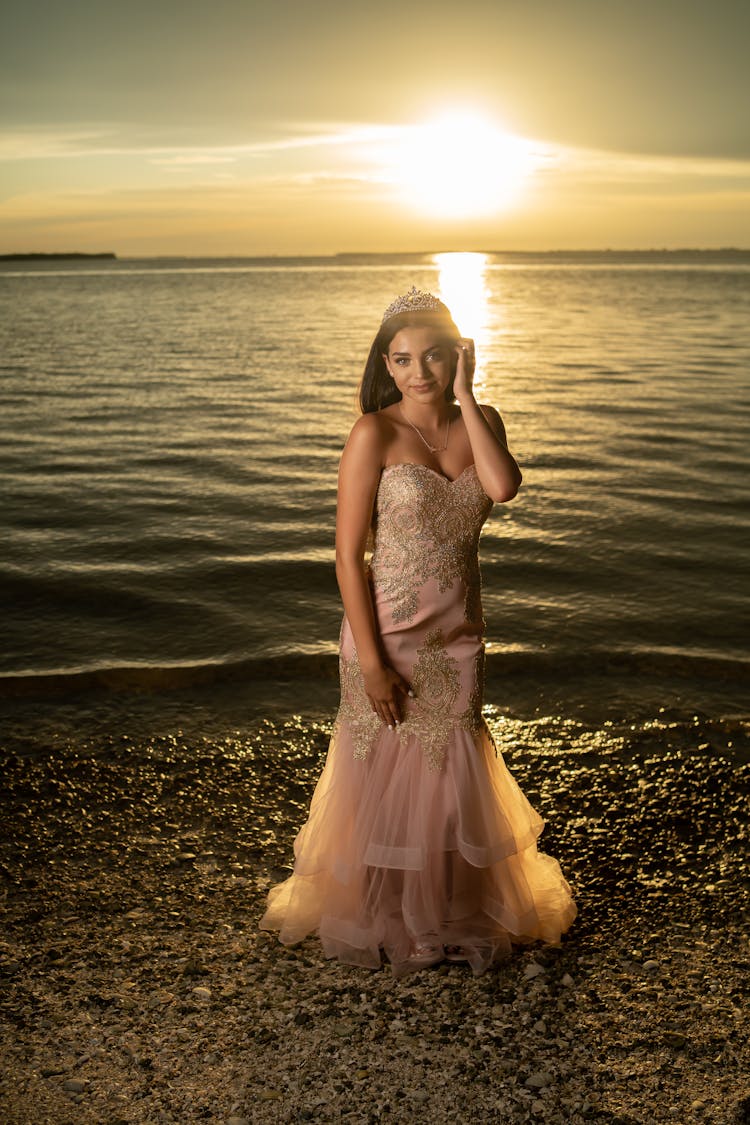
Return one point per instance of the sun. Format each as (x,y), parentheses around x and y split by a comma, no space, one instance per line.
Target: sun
(462,165)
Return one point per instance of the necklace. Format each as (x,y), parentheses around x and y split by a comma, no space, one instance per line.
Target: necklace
(432,448)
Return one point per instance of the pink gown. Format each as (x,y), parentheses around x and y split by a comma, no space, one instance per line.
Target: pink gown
(420,835)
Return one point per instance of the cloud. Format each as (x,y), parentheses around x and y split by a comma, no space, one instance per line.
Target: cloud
(49,143)
(186,159)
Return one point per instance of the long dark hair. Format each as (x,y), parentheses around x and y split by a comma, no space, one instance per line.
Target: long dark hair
(377,388)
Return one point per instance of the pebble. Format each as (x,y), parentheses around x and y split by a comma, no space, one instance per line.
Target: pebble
(75,1085)
(533,970)
(651,966)
(201,993)
(156,999)
(539,1079)
(567,980)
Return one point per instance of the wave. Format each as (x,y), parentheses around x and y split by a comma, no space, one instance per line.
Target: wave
(554,667)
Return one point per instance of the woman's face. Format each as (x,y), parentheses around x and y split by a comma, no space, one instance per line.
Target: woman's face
(421,363)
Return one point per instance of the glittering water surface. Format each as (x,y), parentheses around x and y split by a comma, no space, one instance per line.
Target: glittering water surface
(171,433)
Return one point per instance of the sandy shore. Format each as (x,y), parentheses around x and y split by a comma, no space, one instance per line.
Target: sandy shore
(136,987)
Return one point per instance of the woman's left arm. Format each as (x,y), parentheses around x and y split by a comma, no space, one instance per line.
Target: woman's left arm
(497,470)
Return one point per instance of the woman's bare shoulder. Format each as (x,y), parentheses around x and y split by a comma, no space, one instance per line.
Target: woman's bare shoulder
(371,430)
(364,452)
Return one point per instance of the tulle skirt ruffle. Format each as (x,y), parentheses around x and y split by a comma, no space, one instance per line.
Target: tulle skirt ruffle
(396,855)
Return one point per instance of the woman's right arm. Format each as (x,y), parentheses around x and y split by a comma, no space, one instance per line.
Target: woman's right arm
(359,474)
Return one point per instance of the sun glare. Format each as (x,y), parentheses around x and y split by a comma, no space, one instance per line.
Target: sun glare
(463,286)
(461,166)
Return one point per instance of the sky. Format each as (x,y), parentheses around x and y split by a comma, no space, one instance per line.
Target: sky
(318,127)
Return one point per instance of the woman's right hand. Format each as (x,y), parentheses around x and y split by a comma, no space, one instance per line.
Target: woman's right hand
(386,689)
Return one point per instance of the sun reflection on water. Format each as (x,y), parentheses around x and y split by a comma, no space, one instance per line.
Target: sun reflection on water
(463,286)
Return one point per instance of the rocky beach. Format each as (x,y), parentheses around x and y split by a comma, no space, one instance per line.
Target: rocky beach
(137,848)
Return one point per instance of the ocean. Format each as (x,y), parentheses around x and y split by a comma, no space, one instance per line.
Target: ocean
(170,432)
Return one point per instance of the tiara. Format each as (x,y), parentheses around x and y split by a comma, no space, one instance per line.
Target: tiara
(416,300)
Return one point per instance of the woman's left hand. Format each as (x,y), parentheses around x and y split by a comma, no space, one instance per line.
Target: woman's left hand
(464,381)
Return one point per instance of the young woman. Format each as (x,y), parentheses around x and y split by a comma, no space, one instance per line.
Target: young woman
(419,844)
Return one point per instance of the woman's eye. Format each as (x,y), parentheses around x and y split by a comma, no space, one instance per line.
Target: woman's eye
(402,361)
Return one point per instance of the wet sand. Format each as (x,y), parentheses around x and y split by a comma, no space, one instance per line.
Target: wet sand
(134,861)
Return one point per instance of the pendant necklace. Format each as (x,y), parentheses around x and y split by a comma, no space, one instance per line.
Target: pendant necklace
(432,448)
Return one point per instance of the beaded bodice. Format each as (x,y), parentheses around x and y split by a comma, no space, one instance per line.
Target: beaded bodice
(425,526)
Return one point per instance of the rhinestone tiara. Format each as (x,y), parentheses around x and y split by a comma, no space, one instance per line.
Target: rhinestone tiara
(416,300)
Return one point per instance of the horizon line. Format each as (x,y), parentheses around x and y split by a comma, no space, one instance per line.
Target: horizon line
(113,255)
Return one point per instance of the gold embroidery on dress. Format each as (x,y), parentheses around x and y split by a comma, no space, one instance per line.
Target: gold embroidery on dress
(473,597)
(426,527)
(355,708)
(471,719)
(431,716)
(436,684)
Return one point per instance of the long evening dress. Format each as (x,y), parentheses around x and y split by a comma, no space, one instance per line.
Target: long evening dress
(419,836)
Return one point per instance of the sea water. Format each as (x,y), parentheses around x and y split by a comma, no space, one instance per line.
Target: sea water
(170,433)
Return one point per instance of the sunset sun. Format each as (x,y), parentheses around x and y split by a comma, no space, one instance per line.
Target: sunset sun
(462,165)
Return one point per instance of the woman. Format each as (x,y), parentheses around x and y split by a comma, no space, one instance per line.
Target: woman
(419,843)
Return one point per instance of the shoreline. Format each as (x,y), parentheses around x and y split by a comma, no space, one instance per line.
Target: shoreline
(137,988)
(70,708)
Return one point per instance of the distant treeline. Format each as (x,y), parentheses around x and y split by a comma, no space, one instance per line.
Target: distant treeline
(50,257)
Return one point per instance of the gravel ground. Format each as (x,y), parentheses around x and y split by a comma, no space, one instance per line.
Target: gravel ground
(136,987)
